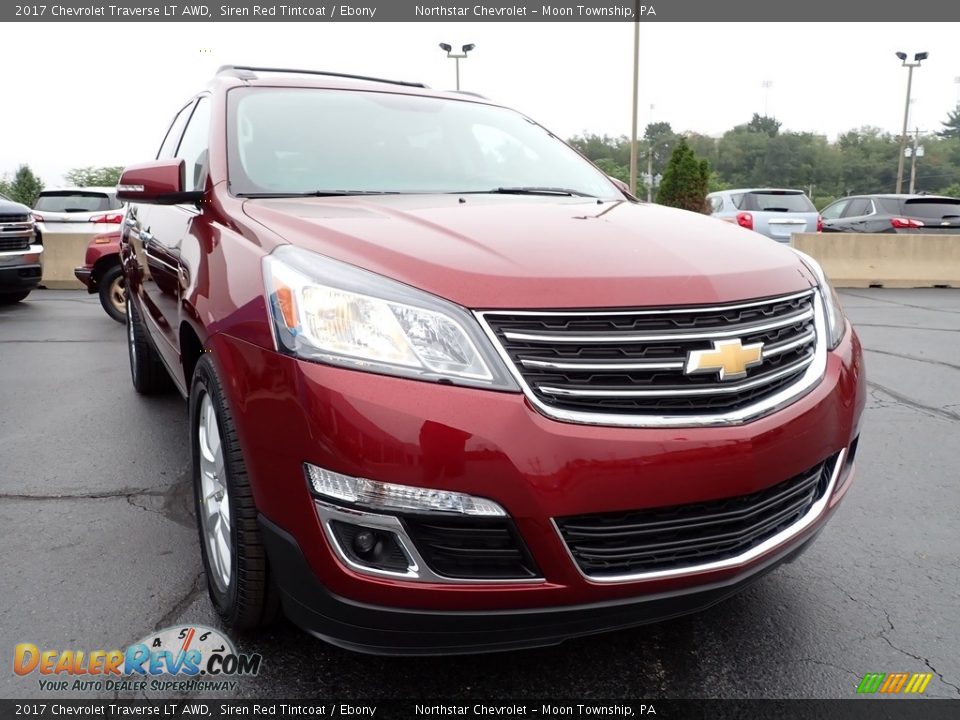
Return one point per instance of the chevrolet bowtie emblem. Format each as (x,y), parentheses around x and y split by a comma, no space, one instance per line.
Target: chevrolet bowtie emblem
(728,357)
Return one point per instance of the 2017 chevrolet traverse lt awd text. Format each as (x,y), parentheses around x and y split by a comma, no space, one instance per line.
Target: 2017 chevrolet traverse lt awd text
(451,390)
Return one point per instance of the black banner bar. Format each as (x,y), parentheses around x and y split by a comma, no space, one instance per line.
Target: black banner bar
(479,11)
(887,709)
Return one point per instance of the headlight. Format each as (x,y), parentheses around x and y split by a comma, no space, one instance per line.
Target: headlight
(336,313)
(397,498)
(836,320)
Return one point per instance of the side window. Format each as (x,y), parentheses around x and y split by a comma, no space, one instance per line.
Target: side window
(193,147)
(169,145)
(857,208)
(737,200)
(832,212)
(716,204)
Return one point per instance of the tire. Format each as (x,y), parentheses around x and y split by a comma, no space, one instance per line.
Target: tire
(113,293)
(238,581)
(11,298)
(147,372)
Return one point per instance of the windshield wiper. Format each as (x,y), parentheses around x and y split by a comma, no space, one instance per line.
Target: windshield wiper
(316,193)
(528,190)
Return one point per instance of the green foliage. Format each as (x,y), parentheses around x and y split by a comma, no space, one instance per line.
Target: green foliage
(24,187)
(94,176)
(764,124)
(821,201)
(951,190)
(685,180)
(951,126)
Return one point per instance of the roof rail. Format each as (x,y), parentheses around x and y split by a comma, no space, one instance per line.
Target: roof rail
(248,72)
(470,93)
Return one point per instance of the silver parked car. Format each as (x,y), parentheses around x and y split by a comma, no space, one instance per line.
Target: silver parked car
(774,212)
(89,210)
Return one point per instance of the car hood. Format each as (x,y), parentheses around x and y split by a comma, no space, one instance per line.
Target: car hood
(539,252)
(8,207)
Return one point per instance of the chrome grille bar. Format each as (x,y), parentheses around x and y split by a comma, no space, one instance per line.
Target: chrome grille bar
(680,392)
(736,331)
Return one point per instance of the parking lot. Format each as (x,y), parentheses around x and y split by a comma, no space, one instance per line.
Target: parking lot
(100,548)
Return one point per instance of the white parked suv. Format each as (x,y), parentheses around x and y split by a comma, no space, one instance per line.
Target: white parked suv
(89,210)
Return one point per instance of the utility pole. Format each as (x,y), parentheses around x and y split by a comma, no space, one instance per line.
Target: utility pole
(636,83)
(913,160)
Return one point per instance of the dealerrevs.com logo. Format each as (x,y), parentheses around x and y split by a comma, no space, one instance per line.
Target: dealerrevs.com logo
(182,659)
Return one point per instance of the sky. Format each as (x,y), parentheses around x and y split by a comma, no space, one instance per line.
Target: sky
(104,93)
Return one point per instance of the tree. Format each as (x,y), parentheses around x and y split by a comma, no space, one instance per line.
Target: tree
(94,176)
(685,180)
(25,186)
(658,142)
(951,126)
(764,124)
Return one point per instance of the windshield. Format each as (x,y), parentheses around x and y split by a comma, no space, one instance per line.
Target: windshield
(304,140)
(75,202)
(777,200)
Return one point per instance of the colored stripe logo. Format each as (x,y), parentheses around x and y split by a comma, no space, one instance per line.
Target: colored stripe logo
(894,683)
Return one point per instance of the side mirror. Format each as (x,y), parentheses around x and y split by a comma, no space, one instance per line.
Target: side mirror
(159,182)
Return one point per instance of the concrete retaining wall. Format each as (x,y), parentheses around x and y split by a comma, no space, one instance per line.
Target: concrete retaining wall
(870,259)
(62,252)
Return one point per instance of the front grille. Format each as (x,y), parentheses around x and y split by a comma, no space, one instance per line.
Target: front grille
(634,542)
(632,362)
(14,218)
(14,243)
(471,548)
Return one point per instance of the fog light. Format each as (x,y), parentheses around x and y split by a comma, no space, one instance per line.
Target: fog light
(370,548)
(364,542)
(398,498)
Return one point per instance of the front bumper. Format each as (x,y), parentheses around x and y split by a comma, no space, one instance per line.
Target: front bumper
(85,275)
(382,630)
(495,445)
(21,269)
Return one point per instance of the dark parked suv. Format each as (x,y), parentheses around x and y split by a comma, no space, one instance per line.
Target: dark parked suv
(21,254)
(909,214)
(450,390)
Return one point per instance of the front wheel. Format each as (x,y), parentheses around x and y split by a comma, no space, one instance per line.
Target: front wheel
(147,372)
(234,557)
(113,293)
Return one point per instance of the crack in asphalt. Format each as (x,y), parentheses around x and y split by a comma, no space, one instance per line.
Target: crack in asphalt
(912,357)
(883,634)
(56,340)
(196,589)
(906,327)
(925,661)
(916,405)
(125,493)
(902,304)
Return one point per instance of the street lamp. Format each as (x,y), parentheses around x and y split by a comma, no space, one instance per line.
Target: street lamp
(917,59)
(446,47)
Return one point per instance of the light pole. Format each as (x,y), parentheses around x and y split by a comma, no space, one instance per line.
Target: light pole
(766,85)
(457,56)
(917,59)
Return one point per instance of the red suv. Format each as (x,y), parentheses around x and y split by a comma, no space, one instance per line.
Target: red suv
(451,390)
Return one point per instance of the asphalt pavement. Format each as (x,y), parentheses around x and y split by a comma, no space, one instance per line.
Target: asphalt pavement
(99,546)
